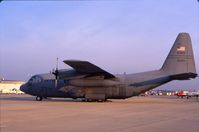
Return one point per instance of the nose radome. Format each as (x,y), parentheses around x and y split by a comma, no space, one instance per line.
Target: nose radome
(22,88)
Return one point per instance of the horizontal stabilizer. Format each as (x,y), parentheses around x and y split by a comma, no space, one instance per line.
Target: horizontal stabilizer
(183,76)
(162,80)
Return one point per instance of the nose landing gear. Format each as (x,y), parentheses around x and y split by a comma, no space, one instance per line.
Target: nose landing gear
(39,98)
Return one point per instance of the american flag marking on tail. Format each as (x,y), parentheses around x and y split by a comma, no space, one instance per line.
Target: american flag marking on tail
(181,48)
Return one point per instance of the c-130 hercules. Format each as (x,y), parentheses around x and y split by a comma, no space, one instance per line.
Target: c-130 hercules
(91,83)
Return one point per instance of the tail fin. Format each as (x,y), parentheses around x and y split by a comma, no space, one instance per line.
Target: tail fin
(181,59)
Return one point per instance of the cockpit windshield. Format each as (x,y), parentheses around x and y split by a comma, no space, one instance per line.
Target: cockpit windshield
(35,79)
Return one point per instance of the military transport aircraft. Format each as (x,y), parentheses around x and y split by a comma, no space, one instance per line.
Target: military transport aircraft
(91,83)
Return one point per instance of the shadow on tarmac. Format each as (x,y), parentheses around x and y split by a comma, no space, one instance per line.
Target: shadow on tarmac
(32,98)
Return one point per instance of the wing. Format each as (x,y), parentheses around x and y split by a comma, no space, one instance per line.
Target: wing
(87,68)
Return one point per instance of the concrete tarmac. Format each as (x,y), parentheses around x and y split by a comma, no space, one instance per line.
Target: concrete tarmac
(21,113)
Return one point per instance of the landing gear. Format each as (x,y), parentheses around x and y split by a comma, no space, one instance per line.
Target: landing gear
(85,100)
(93,100)
(100,100)
(39,98)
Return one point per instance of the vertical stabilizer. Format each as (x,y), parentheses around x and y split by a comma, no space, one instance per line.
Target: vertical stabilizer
(180,59)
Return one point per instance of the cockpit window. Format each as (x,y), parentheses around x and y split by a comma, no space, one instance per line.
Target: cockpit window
(35,79)
(31,80)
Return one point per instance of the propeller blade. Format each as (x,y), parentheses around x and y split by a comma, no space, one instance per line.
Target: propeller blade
(56,73)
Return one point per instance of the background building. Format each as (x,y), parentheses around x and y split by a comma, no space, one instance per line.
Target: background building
(10,86)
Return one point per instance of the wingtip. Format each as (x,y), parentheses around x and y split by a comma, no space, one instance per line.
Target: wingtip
(72,60)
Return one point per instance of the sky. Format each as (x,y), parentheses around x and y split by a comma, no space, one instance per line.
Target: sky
(118,36)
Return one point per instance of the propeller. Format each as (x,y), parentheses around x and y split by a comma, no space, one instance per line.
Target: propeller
(56,73)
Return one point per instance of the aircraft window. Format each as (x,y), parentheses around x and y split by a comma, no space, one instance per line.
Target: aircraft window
(31,80)
(35,79)
(38,79)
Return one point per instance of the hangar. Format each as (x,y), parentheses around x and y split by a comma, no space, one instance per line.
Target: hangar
(10,86)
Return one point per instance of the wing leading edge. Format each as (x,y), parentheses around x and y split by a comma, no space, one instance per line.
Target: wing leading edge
(88,68)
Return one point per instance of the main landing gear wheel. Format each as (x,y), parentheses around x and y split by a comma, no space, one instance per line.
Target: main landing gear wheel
(39,98)
(93,100)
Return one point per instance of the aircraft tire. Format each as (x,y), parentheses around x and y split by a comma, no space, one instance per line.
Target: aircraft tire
(100,100)
(89,100)
(85,100)
(39,98)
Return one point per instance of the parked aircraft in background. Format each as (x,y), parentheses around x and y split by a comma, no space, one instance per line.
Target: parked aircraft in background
(181,94)
(193,94)
(91,83)
(187,94)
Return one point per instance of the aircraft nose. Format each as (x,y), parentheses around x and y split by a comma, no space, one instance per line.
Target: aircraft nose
(23,88)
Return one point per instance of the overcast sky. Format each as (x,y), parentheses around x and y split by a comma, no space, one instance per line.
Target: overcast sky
(118,36)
